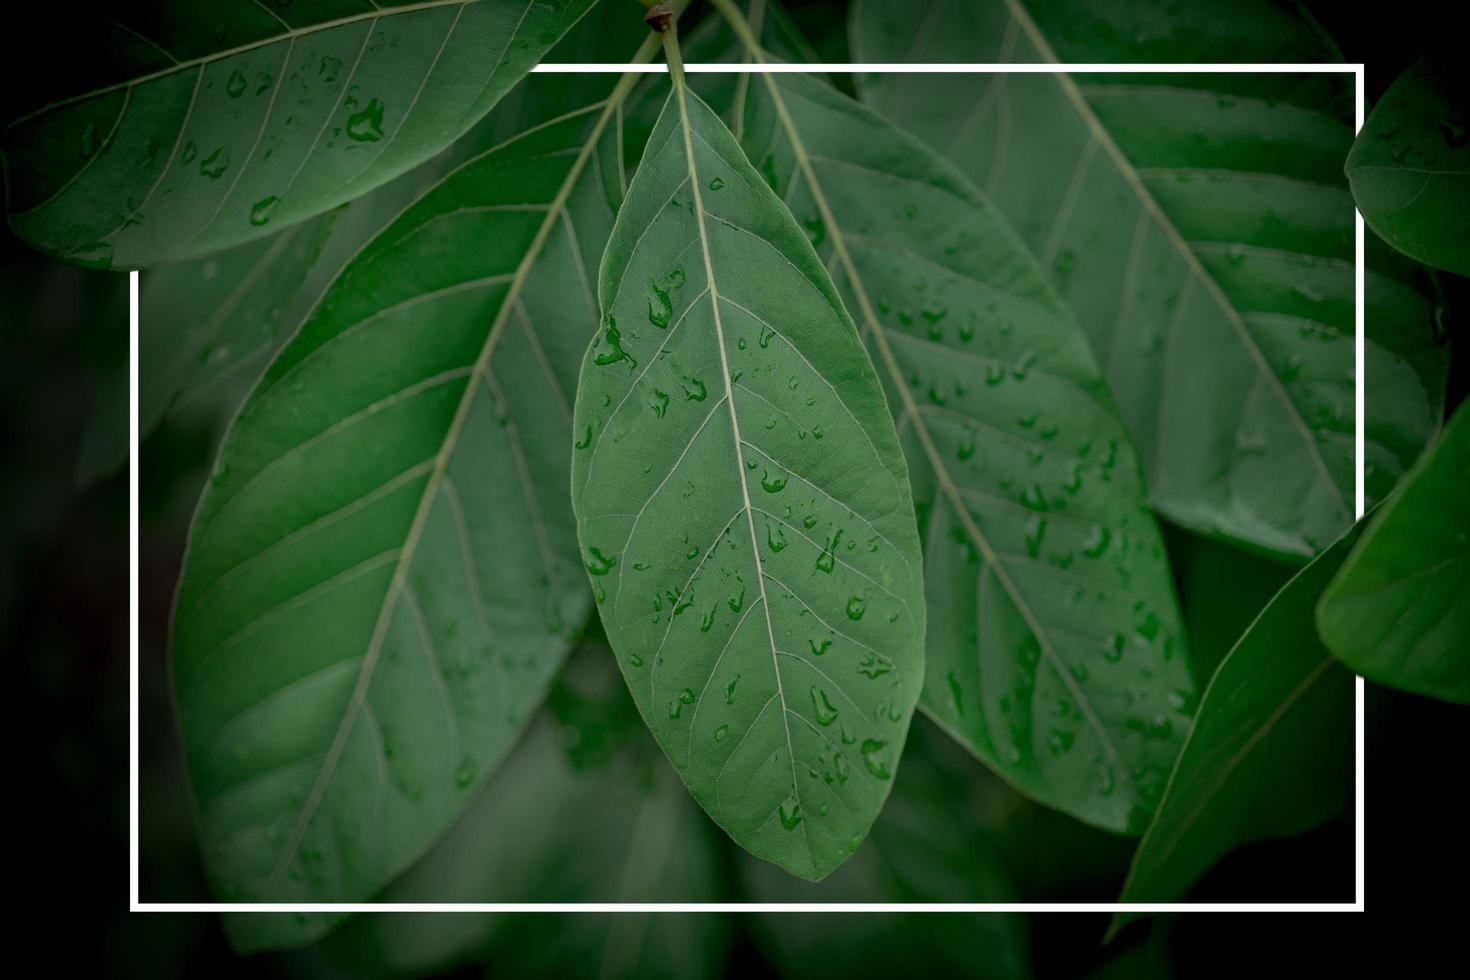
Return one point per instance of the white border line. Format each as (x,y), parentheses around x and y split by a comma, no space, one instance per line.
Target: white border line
(1359,495)
(135,905)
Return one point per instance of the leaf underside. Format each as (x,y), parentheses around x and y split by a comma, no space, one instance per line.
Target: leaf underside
(1055,650)
(217,126)
(379,584)
(1201,231)
(743,506)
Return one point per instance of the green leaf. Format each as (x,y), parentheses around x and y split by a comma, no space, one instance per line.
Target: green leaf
(1270,754)
(552,826)
(211,321)
(743,506)
(928,846)
(1410,166)
(205,321)
(1398,612)
(1055,650)
(1200,229)
(380,580)
(208,127)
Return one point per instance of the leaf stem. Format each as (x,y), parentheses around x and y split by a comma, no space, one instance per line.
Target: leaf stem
(672,55)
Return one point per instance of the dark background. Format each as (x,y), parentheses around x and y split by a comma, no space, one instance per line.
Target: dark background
(64,617)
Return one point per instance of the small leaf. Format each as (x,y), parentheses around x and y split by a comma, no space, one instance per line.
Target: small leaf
(1271,750)
(1047,584)
(206,130)
(679,503)
(1398,612)
(1410,166)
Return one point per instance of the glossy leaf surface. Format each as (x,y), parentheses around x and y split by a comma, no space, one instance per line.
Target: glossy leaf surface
(1399,610)
(208,125)
(1055,651)
(743,506)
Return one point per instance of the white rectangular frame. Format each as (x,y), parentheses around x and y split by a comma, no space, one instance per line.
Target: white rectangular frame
(135,905)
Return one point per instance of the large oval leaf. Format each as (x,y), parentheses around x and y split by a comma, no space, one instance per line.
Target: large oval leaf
(380,580)
(206,125)
(1055,651)
(1201,231)
(743,506)
(1398,611)
(1410,167)
(1271,750)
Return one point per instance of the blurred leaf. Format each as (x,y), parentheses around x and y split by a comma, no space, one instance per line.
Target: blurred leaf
(1410,166)
(591,704)
(554,826)
(1398,612)
(926,847)
(1270,754)
(1221,589)
(380,579)
(1147,959)
(719,329)
(1202,231)
(206,322)
(185,146)
(1047,585)
(206,327)
(63,348)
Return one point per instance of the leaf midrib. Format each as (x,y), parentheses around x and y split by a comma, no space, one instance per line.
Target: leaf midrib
(680,92)
(441,465)
(911,409)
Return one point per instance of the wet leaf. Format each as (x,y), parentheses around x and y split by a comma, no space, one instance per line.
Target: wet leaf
(204,128)
(1055,651)
(1201,230)
(703,521)
(381,576)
